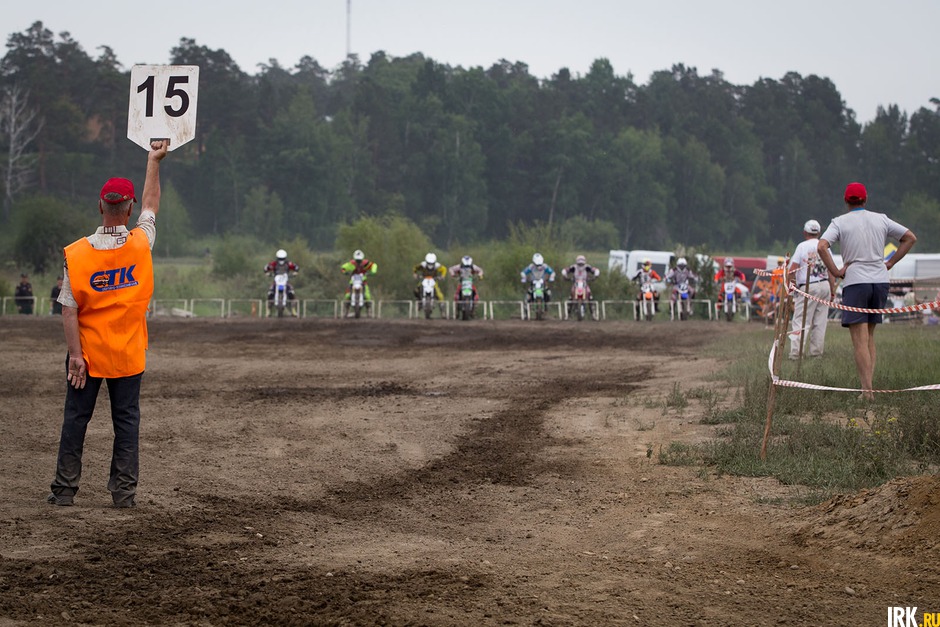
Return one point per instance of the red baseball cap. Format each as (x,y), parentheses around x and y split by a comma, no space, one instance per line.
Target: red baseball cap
(118,186)
(855,192)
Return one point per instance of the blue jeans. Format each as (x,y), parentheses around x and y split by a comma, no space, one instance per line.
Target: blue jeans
(125,454)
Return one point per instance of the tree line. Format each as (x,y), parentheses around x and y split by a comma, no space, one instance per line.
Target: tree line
(464,153)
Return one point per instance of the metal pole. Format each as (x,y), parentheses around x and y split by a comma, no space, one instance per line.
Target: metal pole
(348,28)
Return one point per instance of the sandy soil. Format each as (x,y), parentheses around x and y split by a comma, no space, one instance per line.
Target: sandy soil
(428,473)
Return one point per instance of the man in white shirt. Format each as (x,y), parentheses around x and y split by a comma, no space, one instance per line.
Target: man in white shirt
(821,285)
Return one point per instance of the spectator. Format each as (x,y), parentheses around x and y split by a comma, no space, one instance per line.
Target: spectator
(24,296)
(56,290)
(862,235)
(822,285)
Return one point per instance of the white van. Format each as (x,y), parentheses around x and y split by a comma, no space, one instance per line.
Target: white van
(916,266)
(629,262)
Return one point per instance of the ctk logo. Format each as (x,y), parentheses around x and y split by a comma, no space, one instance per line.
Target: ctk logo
(119,278)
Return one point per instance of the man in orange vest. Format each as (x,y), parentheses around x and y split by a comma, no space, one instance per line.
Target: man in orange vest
(106,289)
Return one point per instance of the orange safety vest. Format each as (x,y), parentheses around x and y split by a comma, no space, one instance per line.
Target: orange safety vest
(113,290)
(776,280)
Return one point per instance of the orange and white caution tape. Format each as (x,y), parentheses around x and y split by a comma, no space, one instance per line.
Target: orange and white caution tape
(793,289)
(811,386)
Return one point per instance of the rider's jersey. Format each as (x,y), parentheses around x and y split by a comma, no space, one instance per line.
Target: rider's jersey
(534,272)
(579,273)
(676,277)
(735,275)
(364,267)
(464,272)
(434,271)
(646,276)
(281,266)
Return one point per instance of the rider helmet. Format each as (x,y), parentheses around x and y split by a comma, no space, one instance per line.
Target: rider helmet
(682,262)
(467,261)
(359,255)
(430,259)
(281,254)
(647,264)
(729,262)
(580,260)
(537,259)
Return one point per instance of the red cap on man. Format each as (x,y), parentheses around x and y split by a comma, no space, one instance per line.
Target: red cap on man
(855,192)
(118,186)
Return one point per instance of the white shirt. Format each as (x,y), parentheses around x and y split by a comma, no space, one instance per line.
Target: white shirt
(109,238)
(806,254)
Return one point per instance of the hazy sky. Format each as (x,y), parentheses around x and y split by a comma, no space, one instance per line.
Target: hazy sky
(875,52)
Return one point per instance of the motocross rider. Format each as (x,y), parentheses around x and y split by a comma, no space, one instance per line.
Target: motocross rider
(538,269)
(730,273)
(580,270)
(281,265)
(681,274)
(360,265)
(466,268)
(433,269)
(646,274)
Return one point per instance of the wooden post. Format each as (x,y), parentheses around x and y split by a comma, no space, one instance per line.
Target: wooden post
(780,334)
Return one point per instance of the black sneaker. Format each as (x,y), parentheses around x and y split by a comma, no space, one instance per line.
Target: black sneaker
(61,500)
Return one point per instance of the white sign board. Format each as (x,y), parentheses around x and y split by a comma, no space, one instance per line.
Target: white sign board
(163,104)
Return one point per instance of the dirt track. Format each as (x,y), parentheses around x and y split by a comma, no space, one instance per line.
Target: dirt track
(427,473)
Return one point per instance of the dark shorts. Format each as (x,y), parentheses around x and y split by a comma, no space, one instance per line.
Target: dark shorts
(863,296)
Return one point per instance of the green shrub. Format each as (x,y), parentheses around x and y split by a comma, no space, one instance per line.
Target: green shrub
(235,257)
(504,261)
(393,242)
(590,234)
(43,227)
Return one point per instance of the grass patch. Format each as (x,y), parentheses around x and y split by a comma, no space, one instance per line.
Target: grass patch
(676,399)
(829,442)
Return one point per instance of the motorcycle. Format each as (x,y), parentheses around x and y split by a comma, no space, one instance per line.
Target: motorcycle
(730,300)
(357,295)
(684,300)
(466,303)
(281,301)
(647,303)
(538,299)
(580,305)
(429,296)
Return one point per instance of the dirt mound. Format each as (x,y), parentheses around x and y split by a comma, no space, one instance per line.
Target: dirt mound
(901,516)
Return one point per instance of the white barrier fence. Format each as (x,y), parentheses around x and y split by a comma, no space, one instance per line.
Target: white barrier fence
(390,309)
(674,309)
